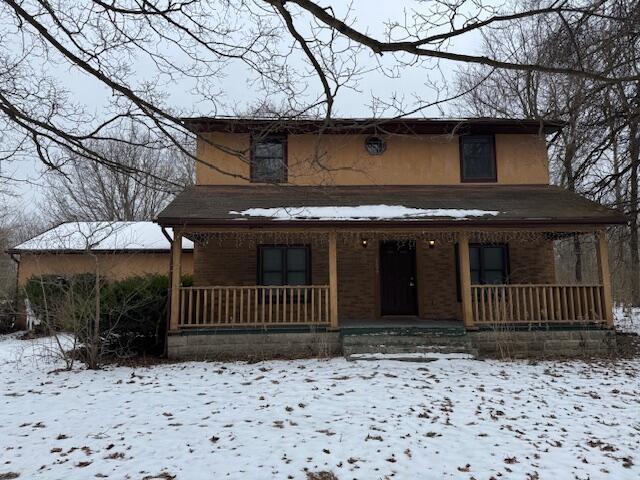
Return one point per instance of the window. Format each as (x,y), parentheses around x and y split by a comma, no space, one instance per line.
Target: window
(488,264)
(375,145)
(478,158)
(284,265)
(269,160)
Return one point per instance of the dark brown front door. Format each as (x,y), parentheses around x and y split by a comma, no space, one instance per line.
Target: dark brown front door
(398,278)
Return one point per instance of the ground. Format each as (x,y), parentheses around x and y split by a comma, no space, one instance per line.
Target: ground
(627,319)
(451,418)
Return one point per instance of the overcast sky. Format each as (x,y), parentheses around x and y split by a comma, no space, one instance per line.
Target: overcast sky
(369,16)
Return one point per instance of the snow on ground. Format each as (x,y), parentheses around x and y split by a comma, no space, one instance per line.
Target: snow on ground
(361,212)
(451,418)
(627,319)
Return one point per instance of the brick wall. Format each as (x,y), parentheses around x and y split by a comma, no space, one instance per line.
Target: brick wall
(437,294)
(532,262)
(358,279)
(229,262)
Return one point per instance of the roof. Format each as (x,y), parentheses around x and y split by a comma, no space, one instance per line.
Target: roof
(260,205)
(403,125)
(99,236)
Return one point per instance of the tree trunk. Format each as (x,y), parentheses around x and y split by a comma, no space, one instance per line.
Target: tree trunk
(634,157)
(569,175)
(577,250)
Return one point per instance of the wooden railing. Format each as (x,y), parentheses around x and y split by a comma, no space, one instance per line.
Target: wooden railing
(537,304)
(256,306)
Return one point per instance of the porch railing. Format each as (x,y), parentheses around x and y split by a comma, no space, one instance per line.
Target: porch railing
(242,306)
(531,304)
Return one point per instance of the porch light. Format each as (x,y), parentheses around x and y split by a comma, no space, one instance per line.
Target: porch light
(431,243)
(365,242)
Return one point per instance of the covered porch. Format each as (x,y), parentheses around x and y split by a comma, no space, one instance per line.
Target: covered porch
(348,278)
(320,258)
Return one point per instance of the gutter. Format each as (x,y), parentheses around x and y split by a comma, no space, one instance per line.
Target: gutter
(363,224)
(170,284)
(16,259)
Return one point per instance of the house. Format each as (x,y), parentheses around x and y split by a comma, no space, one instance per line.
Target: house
(121,249)
(305,230)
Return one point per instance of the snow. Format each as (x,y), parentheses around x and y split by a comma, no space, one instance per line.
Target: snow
(361,212)
(427,356)
(627,319)
(102,236)
(451,418)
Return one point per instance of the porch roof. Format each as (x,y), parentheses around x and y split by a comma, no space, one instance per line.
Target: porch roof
(447,205)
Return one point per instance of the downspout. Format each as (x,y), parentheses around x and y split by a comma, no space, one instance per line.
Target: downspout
(16,259)
(168,307)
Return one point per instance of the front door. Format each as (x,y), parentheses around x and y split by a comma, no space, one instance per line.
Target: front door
(398,278)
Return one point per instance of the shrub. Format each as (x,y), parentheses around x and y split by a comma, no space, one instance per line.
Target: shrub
(7,316)
(133,311)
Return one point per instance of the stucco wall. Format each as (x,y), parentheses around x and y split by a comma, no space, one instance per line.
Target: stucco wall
(343,160)
(111,265)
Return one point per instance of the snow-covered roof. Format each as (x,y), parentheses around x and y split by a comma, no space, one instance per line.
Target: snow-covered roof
(248,206)
(106,236)
(361,212)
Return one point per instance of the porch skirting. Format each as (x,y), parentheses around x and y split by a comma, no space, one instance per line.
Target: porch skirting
(574,342)
(215,345)
(581,342)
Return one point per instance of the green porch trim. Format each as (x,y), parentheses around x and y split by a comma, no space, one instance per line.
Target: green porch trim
(249,330)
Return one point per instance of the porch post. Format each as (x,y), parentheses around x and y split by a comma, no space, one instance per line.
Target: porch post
(605,276)
(465,280)
(176,279)
(333,280)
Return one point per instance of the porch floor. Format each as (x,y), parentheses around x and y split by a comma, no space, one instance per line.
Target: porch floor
(402,322)
(400,325)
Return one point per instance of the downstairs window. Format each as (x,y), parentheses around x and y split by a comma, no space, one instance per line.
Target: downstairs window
(284,265)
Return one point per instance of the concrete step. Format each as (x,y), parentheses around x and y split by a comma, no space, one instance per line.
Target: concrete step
(401,340)
(397,349)
(409,357)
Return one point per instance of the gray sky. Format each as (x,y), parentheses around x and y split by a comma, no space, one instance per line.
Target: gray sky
(368,16)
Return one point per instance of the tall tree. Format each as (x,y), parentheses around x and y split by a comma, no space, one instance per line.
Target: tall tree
(147,178)
(294,52)
(596,153)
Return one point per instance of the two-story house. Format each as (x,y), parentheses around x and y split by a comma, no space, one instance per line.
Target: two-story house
(311,228)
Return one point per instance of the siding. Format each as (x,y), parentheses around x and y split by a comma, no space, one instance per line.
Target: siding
(228,262)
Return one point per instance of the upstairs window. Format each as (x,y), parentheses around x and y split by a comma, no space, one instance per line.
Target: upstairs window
(284,265)
(478,158)
(488,264)
(269,160)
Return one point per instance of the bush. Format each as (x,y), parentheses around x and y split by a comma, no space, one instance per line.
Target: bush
(133,311)
(7,316)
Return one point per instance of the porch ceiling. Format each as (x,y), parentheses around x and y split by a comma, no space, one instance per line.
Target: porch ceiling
(399,206)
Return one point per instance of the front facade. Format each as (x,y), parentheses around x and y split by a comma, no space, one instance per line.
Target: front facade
(326,226)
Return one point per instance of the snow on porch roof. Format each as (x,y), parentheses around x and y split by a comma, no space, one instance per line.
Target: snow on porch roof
(100,236)
(255,205)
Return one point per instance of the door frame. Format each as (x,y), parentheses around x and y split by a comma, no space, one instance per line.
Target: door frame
(416,302)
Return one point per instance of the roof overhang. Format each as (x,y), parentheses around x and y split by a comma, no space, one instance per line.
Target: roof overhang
(405,126)
(233,207)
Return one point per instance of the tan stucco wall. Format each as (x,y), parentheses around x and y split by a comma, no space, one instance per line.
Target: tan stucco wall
(111,265)
(343,160)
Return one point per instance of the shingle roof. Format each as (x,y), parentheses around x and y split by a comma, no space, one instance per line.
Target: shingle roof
(99,236)
(404,125)
(257,205)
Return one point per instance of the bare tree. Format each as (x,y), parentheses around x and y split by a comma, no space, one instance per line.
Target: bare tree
(93,191)
(596,152)
(295,53)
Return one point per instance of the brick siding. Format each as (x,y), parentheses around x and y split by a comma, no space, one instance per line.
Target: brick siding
(230,262)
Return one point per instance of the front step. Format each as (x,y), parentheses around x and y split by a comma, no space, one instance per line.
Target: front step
(423,343)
